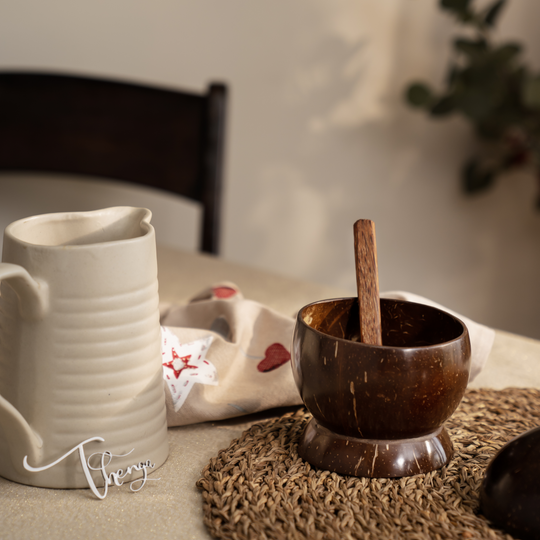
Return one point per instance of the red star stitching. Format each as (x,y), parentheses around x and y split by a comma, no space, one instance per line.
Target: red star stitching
(183,359)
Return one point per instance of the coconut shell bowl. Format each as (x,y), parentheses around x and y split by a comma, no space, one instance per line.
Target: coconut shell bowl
(379,410)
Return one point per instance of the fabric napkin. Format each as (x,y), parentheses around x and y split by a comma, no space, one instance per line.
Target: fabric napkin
(225,356)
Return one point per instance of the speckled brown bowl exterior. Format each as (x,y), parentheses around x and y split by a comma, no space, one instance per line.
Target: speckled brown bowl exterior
(379,410)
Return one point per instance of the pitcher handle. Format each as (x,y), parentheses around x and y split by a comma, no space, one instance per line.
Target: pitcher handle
(33,304)
(33,294)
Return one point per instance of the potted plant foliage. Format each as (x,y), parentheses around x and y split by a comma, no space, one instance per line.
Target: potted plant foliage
(489,84)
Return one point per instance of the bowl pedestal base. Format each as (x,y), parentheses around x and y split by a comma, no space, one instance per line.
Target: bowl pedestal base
(374,458)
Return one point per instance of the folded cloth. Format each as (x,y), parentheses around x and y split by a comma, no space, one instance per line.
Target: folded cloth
(225,356)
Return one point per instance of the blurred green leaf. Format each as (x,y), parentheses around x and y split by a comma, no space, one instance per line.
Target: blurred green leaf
(443,106)
(506,53)
(505,116)
(455,5)
(452,75)
(475,178)
(483,75)
(419,95)
(493,12)
(460,8)
(473,104)
(489,129)
(530,92)
(470,47)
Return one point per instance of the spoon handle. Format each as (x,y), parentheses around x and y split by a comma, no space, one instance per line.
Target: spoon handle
(367,282)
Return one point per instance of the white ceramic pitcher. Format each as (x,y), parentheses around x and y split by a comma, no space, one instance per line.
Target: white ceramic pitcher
(80,358)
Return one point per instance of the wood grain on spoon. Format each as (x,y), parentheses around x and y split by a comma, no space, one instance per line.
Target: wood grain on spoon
(367,282)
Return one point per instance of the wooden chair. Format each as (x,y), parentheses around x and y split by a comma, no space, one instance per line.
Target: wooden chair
(166,139)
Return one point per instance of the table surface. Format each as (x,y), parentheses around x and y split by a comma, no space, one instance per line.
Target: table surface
(171,507)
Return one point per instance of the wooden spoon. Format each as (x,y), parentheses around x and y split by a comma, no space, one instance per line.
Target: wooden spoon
(367,282)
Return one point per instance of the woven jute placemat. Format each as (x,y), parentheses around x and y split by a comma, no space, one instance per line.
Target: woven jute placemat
(260,488)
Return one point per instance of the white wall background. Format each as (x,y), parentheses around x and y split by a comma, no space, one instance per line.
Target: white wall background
(318,137)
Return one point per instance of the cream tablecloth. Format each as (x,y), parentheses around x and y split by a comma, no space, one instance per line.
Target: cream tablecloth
(171,507)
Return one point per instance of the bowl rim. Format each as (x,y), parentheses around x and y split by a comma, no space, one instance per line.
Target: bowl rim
(464,335)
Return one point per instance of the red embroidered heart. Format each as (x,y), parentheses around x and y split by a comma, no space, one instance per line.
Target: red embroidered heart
(276,355)
(223,292)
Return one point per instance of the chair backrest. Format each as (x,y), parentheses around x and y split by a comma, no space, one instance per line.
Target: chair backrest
(167,139)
